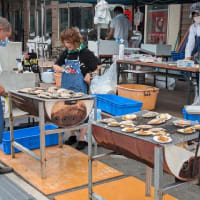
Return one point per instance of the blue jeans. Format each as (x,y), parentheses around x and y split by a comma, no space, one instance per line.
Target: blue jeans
(1,121)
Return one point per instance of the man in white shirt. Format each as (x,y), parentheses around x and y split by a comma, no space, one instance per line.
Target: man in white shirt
(120,26)
(193,44)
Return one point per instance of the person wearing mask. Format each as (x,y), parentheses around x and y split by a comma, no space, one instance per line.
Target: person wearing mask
(193,44)
(5,33)
(120,26)
(83,62)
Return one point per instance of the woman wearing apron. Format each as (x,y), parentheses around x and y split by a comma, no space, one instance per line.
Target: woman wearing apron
(5,32)
(76,63)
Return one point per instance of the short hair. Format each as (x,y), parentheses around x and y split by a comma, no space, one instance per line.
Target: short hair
(5,24)
(72,35)
(118,9)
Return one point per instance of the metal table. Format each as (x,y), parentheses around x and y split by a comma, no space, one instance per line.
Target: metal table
(157,155)
(43,132)
(187,76)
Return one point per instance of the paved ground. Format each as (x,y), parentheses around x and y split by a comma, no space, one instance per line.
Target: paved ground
(168,101)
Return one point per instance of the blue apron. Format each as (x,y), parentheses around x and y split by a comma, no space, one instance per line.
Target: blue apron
(72,78)
(1,121)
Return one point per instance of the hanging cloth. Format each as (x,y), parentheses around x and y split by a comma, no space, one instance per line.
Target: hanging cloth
(102,13)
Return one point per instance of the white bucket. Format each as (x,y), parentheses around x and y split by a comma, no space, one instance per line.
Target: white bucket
(47,77)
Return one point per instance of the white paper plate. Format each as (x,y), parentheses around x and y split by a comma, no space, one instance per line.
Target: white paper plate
(155,138)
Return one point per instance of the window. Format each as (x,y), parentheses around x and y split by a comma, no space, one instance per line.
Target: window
(48,21)
(157,17)
(81,17)
(63,19)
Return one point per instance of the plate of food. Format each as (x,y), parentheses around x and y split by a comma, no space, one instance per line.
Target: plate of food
(144,133)
(114,123)
(156,121)
(150,114)
(129,129)
(156,129)
(182,123)
(164,116)
(162,139)
(127,123)
(163,133)
(129,117)
(188,130)
(197,126)
(107,120)
(144,126)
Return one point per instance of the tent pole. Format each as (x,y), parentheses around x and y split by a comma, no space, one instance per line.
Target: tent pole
(98,35)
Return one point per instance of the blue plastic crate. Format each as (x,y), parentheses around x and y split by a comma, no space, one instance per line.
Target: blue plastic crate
(177,56)
(192,117)
(29,137)
(117,105)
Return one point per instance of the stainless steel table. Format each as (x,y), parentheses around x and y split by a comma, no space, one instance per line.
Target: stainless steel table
(157,157)
(43,132)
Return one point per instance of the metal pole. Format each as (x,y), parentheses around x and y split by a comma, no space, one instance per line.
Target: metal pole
(42,140)
(90,161)
(11,124)
(158,173)
(42,28)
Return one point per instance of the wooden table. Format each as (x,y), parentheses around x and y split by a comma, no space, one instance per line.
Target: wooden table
(187,76)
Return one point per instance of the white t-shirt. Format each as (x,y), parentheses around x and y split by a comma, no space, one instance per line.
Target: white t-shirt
(121,26)
(194,31)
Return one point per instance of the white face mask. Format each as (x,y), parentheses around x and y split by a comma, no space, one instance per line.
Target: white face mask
(197,19)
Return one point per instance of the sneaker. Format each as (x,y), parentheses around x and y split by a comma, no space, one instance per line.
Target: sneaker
(4,170)
(71,140)
(81,145)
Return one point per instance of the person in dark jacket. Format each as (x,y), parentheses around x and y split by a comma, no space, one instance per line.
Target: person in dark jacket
(5,33)
(75,63)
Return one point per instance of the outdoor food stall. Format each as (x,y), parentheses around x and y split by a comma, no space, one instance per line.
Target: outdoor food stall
(66,109)
(157,140)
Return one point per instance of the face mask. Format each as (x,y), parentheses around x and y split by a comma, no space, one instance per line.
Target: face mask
(3,44)
(197,19)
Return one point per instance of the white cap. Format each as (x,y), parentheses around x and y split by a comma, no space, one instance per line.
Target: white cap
(195,8)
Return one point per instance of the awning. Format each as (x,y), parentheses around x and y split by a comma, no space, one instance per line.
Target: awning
(132,2)
(153,2)
(125,2)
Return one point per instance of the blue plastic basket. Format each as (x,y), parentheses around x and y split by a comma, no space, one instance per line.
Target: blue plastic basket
(29,137)
(117,105)
(177,56)
(192,117)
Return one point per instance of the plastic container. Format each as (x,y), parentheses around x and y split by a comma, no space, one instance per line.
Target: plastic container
(29,137)
(57,77)
(116,105)
(192,117)
(144,93)
(47,77)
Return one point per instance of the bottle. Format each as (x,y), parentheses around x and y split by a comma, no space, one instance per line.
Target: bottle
(121,51)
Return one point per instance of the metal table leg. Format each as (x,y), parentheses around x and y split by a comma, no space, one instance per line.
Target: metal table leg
(11,125)
(42,140)
(89,161)
(188,79)
(118,72)
(148,181)
(158,173)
